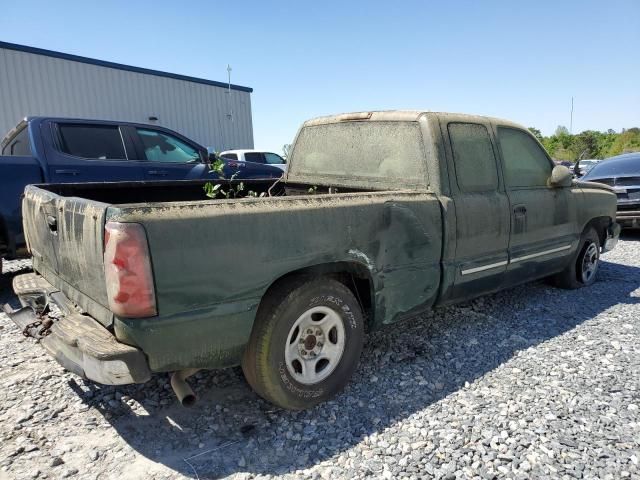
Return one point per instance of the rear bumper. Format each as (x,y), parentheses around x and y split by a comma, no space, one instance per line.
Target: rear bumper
(628,218)
(78,342)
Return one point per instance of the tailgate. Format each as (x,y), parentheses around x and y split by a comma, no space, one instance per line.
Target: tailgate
(65,236)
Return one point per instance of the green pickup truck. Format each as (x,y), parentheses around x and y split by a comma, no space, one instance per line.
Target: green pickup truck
(381,216)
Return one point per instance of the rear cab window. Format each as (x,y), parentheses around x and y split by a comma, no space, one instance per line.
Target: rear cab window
(361,153)
(230,156)
(97,142)
(19,145)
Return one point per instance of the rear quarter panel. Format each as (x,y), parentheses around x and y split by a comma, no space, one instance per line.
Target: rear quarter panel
(214,261)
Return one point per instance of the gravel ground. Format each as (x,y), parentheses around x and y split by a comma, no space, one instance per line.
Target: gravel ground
(532,382)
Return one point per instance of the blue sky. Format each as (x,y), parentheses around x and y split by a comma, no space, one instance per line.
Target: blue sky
(517,60)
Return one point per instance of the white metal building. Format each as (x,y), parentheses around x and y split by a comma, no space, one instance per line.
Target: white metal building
(34,81)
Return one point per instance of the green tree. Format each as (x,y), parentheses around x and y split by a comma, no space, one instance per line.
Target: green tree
(586,145)
(536,133)
(559,144)
(589,144)
(625,142)
(605,143)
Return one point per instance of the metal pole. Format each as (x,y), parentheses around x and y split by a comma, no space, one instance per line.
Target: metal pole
(571,121)
(230,114)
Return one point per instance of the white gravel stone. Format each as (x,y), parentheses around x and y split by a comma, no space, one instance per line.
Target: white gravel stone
(533,382)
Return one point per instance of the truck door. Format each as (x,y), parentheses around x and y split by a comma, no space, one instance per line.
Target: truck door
(544,230)
(169,157)
(481,206)
(89,152)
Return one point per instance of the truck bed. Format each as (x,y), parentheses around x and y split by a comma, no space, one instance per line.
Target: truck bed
(213,260)
(120,193)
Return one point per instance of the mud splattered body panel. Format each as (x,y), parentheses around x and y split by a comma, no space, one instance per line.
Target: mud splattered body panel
(208,293)
(65,236)
(422,224)
(214,260)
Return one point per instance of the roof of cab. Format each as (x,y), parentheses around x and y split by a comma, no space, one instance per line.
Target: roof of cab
(403,116)
(37,119)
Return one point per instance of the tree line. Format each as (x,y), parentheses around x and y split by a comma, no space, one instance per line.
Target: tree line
(562,145)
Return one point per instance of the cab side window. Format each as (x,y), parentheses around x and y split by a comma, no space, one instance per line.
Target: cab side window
(273,158)
(473,156)
(525,162)
(255,157)
(98,142)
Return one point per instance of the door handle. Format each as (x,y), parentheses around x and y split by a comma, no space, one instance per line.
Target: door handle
(53,223)
(520,210)
(162,173)
(63,171)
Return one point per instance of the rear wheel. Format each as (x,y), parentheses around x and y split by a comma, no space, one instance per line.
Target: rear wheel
(305,344)
(582,270)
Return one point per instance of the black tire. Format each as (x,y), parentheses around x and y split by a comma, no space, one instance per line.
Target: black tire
(588,253)
(264,359)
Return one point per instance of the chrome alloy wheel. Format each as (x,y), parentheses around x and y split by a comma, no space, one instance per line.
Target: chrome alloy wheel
(590,262)
(315,345)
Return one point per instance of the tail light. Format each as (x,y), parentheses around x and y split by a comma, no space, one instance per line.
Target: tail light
(127,271)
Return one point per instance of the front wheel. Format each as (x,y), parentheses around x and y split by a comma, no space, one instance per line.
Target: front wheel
(582,270)
(305,344)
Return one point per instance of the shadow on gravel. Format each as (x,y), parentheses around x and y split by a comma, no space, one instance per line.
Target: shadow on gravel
(630,235)
(402,371)
(6,290)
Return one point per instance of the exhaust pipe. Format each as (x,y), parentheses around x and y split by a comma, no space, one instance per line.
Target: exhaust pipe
(181,388)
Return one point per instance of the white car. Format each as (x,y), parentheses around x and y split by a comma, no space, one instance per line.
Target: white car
(256,156)
(582,167)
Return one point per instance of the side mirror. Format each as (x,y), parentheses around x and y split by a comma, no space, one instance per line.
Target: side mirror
(560,177)
(211,154)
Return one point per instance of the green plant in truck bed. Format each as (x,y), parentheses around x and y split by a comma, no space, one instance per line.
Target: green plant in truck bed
(217,191)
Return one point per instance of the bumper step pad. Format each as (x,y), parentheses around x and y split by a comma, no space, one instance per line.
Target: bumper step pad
(80,343)
(32,283)
(32,290)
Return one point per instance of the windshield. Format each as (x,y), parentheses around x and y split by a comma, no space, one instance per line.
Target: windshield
(361,152)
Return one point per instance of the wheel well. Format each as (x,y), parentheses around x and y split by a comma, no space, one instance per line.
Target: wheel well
(600,224)
(355,276)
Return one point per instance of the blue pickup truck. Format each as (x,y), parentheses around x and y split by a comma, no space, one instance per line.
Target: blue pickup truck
(64,150)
